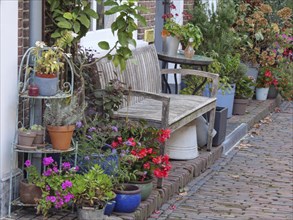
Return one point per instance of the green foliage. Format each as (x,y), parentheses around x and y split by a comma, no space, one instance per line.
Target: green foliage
(172,28)
(216,27)
(92,189)
(61,112)
(72,16)
(188,31)
(244,88)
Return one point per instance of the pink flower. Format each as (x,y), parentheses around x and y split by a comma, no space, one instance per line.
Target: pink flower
(47,161)
(68,197)
(47,172)
(27,163)
(66,165)
(66,184)
(51,199)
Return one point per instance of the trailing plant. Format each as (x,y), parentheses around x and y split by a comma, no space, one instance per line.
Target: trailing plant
(61,112)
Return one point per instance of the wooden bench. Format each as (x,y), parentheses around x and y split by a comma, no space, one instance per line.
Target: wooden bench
(161,110)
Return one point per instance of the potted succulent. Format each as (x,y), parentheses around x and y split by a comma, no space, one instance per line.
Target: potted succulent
(91,192)
(60,117)
(29,192)
(26,137)
(48,64)
(40,131)
(243,92)
(55,184)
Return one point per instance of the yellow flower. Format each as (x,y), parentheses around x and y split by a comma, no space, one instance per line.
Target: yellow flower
(242,7)
(285,13)
(265,8)
(275,27)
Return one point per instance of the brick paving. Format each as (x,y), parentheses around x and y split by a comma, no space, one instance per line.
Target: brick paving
(255,181)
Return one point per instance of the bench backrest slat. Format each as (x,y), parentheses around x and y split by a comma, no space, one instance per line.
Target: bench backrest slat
(142,71)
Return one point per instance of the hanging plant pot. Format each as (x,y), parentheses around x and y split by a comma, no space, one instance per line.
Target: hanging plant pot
(47,84)
(145,186)
(261,93)
(29,193)
(26,138)
(90,213)
(61,136)
(127,199)
(239,106)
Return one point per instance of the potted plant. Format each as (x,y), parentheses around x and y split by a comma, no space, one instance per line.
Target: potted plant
(263,82)
(55,185)
(26,137)
(138,149)
(29,192)
(243,92)
(91,192)
(48,64)
(40,131)
(60,117)
(188,31)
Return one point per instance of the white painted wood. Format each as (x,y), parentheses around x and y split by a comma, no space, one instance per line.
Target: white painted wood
(8,81)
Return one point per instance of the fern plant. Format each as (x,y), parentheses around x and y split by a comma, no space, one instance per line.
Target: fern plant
(63,112)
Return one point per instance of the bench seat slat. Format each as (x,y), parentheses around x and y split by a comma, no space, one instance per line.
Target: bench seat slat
(180,108)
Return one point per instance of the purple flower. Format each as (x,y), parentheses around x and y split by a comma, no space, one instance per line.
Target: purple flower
(68,197)
(78,124)
(51,198)
(89,137)
(27,163)
(48,188)
(92,129)
(59,203)
(47,172)
(77,168)
(66,165)
(55,169)
(114,128)
(66,184)
(87,158)
(47,161)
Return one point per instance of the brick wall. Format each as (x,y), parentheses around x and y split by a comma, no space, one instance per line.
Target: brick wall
(188,6)
(23,27)
(149,16)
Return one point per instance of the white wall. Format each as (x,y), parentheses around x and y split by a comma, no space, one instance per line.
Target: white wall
(8,81)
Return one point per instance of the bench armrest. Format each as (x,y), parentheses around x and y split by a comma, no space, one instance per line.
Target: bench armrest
(150,95)
(213,76)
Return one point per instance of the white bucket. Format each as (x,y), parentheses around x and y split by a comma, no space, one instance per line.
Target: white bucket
(182,144)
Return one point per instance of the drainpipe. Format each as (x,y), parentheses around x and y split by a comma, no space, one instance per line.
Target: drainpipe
(161,8)
(35,22)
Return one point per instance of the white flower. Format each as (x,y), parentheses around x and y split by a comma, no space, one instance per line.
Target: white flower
(40,44)
(69,55)
(74,35)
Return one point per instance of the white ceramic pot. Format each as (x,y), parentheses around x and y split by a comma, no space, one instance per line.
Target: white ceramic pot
(261,93)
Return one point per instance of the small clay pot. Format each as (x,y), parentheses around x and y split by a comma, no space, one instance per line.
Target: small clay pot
(26,138)
(29,193)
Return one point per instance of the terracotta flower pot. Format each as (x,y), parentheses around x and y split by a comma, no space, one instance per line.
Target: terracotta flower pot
(29,193)
(26,138)
(61,136)
(39,139)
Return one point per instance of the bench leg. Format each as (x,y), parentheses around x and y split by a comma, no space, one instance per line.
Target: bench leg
(210,129)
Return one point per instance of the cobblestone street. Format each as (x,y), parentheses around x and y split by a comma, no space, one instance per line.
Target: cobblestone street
(255,181)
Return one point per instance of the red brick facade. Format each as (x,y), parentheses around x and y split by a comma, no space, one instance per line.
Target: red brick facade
(149,16)
(23,27)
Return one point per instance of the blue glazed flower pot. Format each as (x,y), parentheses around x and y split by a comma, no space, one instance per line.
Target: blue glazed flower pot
(127,199)
(109,208)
